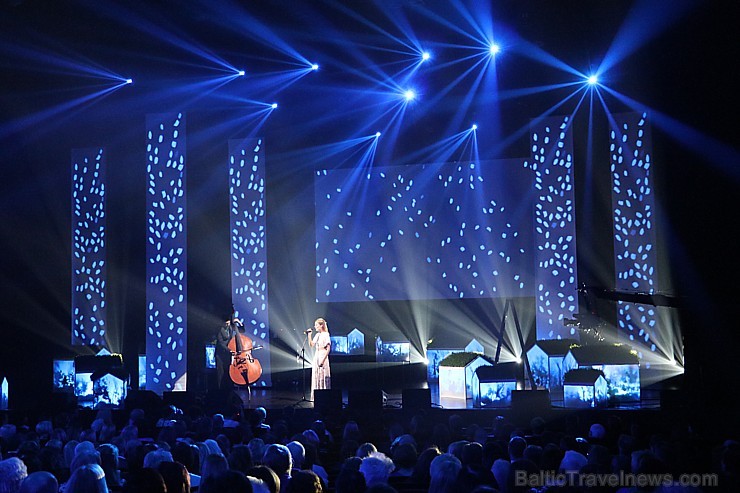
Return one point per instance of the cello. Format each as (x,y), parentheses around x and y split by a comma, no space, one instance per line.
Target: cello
(245,369)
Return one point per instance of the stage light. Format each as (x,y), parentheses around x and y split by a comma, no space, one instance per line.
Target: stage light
(274,105)
(240,73)
(493,49)
(519,360)
(410,95)
(129,81)
(377,134)
(425,56)
(592,80)
(474,127)
(314,66)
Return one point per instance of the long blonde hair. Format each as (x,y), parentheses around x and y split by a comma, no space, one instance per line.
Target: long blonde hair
(322,323)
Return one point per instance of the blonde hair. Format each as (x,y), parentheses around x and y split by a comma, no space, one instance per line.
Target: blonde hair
(322,323)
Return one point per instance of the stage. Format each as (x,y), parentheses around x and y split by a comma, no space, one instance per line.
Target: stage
(408,182)
(375,410)
(277,399)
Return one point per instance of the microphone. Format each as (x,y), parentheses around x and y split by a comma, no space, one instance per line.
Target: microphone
(308,331)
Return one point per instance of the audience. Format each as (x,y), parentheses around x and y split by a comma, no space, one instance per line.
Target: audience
(304,482)
(297,453)
(267,476)
(12,473)
(277,457)
(376,468)
(213,465)
(226,482)
(88,478)
(180,452)
(175,476)
(39,482)
(240,458)
(444,471)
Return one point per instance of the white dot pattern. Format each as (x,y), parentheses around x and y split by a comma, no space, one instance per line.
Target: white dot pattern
(89,272)
(633,205)
(556,273)
(166,249)
(423,231)
(248,235)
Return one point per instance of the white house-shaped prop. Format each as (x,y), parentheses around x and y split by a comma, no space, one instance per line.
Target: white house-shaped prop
(353,344)
(618,362)
(456,374)
(356,342)
(585,387)
(109,387)
(546,361)
(436,353)
(496,383)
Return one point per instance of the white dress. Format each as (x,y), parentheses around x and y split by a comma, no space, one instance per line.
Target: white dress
(321,377)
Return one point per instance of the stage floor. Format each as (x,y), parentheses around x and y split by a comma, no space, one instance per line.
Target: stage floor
(393,399)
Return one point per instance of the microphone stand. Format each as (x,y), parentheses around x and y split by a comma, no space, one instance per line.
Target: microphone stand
(303,366)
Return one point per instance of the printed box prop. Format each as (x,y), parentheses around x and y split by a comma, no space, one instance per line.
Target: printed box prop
(109,387)
(353,344)
(456,373)
(436,353)
(619,364)
(546,361)
(4,395)
(496,383)
(392,352)
(64,375)
(99,365)
(585,387)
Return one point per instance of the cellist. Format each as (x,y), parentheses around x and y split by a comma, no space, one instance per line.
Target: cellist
(224,334)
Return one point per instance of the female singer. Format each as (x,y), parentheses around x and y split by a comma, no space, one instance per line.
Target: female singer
(320,371)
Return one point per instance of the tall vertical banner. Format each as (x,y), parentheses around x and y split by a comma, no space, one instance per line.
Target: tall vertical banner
(633,205)
(556,274)
(89,270)
(248,254)
(166,251)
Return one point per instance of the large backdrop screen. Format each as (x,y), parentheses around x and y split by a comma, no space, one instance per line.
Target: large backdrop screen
(426,231)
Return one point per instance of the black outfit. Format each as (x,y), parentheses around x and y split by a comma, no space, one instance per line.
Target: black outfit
(223,355)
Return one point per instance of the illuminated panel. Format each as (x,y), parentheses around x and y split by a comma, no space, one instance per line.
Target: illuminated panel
(248,253)
(556,275)
(427,231)
(633,205)
(88,247)
(4,395)
(166,268)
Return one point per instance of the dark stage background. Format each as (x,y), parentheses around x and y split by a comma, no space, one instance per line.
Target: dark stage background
(686,72)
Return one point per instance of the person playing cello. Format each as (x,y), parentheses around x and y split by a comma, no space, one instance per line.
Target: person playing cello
(243,368)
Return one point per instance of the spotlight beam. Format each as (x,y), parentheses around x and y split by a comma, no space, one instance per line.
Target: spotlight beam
(645,21)
(347,11)
(67,110)
(467,15)
(451,25)
(331,152)
(723,156)
(51,62)
(528,91)
(160,30)
(456,121)
(440,151)
(534,52)
(513,137)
